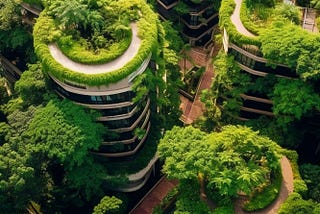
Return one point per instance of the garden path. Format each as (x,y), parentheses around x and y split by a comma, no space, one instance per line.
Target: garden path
(154,196)
(286,189)
(235,19)
(118,63)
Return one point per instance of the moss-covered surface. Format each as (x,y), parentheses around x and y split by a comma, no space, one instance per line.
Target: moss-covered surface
(48,30)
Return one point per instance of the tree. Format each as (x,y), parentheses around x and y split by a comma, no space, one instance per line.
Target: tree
(64,134)
(69,13)
(293,99)
(51,146)
(233,160)
(108,205)
(19,181)
(9,14)
(31,86)
(288,11)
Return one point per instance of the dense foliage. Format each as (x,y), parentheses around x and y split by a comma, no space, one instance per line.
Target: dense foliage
(296,204)
(289,44)
(235,159)
(47,148)
(126,11)
(108,205)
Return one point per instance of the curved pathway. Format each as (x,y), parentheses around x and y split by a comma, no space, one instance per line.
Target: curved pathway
(118,63)
(235,19)
(286,189)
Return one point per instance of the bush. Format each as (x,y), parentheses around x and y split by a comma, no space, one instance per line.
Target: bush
(224,210)
(296,205)
(300,186)
(78,51)
(264,198)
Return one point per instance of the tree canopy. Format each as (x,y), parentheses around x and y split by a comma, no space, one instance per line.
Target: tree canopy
(46,153)
(235,159)
(286,43)
(294,98)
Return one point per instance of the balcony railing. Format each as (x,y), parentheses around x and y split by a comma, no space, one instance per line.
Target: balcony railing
(126,153)
(168,4)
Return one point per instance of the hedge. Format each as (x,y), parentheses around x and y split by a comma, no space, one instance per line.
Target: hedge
(147,31)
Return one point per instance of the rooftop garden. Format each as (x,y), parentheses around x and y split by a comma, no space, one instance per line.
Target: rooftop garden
(279,34)
(94,33)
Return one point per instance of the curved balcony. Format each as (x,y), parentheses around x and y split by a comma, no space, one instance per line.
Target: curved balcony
(145,113)
(204,29)
(133,148)
(139,179)
(123,116)
(195,23)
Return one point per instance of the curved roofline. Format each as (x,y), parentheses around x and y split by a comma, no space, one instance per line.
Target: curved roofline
(116,64)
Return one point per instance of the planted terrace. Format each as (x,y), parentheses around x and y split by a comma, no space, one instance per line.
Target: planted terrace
(105,43)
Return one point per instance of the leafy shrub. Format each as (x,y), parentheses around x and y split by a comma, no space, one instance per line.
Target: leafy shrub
(300,186)
(108,205)
(295,204)
(224,210)
(245,19)
(79,51)
(264,198)
(288,11)
(310,174)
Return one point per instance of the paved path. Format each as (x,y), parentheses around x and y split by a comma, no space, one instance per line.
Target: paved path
(191,110)
(154,197)
(309,20)
(118,63)
(235,19)
(286,189)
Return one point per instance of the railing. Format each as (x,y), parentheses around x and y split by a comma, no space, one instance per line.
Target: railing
(168,4)
(10,71)
(127,153)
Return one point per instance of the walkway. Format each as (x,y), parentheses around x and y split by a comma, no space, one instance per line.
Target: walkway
(309,20)
(118,63)
(154,196)
(191,110)
(235,19)
(286,189)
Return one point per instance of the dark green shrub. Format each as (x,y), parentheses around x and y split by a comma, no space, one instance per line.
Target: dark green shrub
(295,204)
(224,210)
